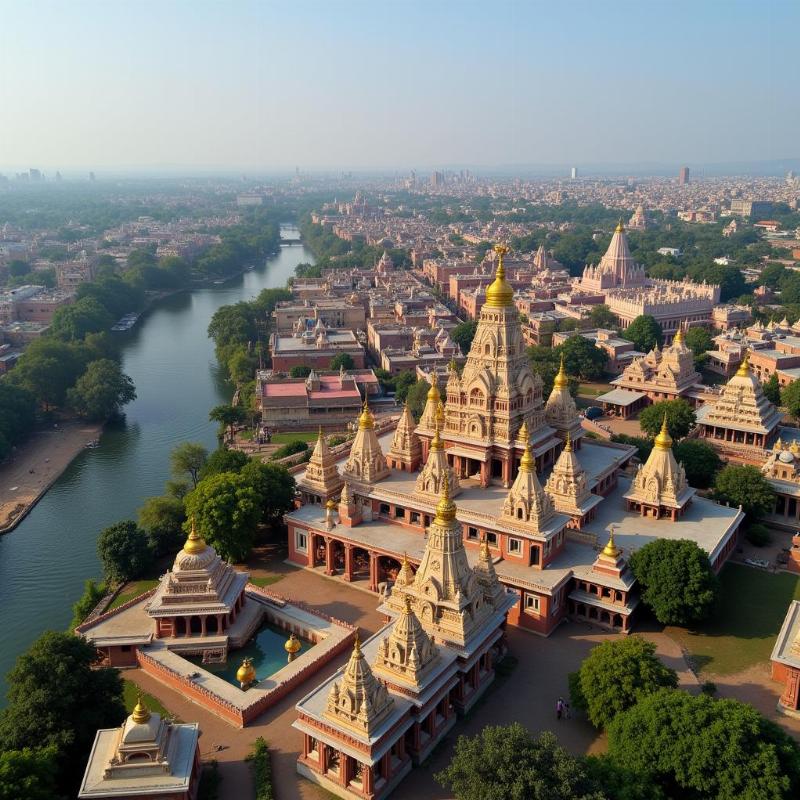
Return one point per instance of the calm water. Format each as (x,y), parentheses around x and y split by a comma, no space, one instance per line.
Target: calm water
(266,650)
(46,559)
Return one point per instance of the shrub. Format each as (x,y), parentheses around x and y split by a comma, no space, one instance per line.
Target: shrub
(262,769)
(289,449)
(758,535)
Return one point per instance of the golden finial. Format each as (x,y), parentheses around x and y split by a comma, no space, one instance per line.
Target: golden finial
(407,599)
(357,644)
(246,673)
(620,227)
(527,463)
(446,508)
(433,392)
(611,550)
(485,546)
(365,421)
(678,337)
(194,543)
(141,713)
(436,442)
(500,293)
(744,367)
(568,443)
(561,381)
(292,645)
(663,440)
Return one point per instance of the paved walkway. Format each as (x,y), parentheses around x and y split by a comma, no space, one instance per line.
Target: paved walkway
(529,695)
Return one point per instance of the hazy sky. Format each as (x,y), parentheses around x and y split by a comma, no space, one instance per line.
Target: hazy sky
(194,83)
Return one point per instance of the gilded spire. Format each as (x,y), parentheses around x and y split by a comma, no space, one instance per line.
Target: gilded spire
(436,442)
(195,542)
(141,713)
(365,421)
(561,380)
(527,463)
(620,227)
(405,576)
(678,337)
(433,392)
(611,550)
(446,508)
(440,414)
(568,443)
(500,293)
(744,367)
(664,440)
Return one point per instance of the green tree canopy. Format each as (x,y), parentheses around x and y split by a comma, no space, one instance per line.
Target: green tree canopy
(680,418)
(28,774)
(616,674)
(700,460)
(17,268)
(343,361)
(222,460)
(507,763)
(162,519)
(463,334)
(772,389)
(299,371)
(124,551)
(698,340)
(188,458)
(56,699)
(745,486)
(17,416)
(48,368)
(582,358)
(644,332)
(102,390)
(601,316)
(226,509)
(275,486)
(676,580)
(790,398)
(228,416)
(698,748)
(93,593)
(416,398)
(72,323)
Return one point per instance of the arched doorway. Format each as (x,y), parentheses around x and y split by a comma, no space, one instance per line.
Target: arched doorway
(180,626)
(195,626)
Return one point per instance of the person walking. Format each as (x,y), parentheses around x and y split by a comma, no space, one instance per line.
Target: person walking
(559,708)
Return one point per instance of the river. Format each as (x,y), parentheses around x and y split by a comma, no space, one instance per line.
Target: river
(46,559)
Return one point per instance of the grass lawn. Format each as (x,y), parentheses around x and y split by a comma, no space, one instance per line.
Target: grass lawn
(266,580)
(131,590)
(589,389)
(742,632)
(130,693)
(303,436)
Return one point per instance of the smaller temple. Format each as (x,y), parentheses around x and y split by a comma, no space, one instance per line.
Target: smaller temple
(616,270)
(366,463)
(785,661)
(782,472)
(405,452)
(742,423)
(146,758)
(568,487)
(659,488)
(430,480)
(560,411)
(321,480)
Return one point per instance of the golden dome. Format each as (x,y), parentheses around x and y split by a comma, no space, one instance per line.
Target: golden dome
(663,440)
(500,293)
(446,508)
(246,673)
(561,381)
(620,227)
(365,421)
(292,645)
(194,543)
(744,367)
(141,713)
(611,550)
(433,392)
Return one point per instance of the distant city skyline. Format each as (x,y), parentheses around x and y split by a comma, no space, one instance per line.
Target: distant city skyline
(262,86)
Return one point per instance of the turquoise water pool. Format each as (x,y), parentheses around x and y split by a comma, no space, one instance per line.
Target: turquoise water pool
(265,649)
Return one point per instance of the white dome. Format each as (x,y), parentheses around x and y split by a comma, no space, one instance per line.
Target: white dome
(786,457)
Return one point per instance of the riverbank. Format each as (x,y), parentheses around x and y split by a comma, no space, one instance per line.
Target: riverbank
(27,475)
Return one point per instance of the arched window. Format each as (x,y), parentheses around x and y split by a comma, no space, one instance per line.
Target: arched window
(476,397)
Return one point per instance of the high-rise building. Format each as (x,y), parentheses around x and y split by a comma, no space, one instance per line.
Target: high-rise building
(573,173)
(683,176)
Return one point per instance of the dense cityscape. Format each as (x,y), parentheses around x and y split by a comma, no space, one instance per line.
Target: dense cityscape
(399,404)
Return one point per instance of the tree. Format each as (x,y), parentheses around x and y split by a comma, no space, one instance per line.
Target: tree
(162,520)
(772,389)
(680,418)
(643,445)
(698,340)
(507,763)
(615,675)
(226,509)
(101,391)
(343,361)
(699,748)
(275,486)
(290,449)
(644,332)
(676,580)
(463,334)
(416,398)
(72,323)
(188,458)
(758,535)
(48,368)
(28,774)
(93,593)
(241,366)
(700,460)
(17,415)
(56,699)
(745,486)
(124,551)
(223,460)
(17,268)
(229,416)
(583,358)
(790,398)
(299,371)
(601,316)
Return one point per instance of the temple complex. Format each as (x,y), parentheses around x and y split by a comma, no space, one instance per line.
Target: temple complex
(537,500)
(741,423)
(146,758)
(401,691)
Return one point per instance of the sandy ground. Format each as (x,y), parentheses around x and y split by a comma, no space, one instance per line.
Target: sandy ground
(27,475)
(528,695)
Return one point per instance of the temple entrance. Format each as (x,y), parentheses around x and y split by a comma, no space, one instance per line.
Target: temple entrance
(180,626)
(360,564)
(496,468)
(195,626)
(212,625)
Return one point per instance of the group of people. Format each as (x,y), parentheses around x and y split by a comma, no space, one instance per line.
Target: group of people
(562,709)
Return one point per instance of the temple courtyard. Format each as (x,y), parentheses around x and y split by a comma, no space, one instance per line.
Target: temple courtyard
(733,652)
